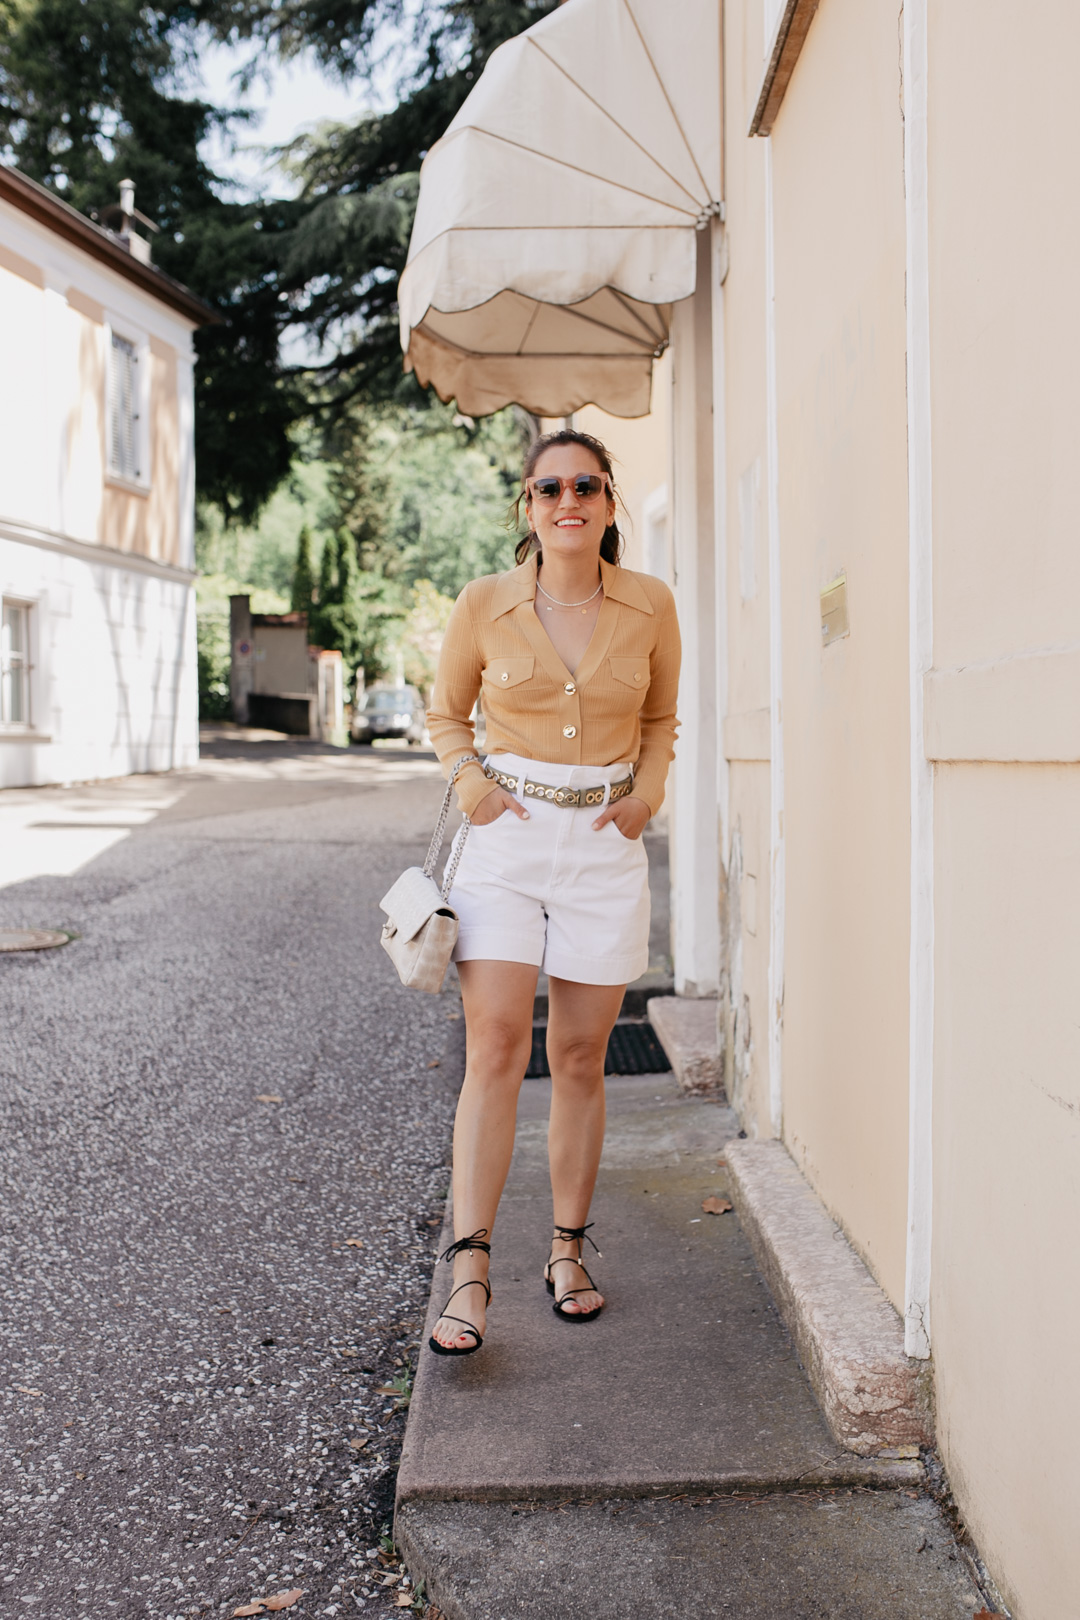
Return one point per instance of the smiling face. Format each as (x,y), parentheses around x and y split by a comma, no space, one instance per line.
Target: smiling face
(569,527)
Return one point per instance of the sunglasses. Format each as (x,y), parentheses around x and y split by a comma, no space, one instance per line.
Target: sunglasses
(586,486)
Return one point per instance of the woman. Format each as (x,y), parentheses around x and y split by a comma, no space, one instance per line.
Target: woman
(578,663)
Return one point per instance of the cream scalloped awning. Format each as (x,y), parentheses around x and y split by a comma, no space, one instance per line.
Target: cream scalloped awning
(557,216)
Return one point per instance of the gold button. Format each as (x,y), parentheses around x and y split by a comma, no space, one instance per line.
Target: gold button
(505,676)
(637,677)
(569,688)
(569,731)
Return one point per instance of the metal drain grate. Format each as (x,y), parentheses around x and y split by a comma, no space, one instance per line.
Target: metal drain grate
(632,1049)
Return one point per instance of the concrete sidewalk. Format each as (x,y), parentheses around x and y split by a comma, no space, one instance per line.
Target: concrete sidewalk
(671,1451)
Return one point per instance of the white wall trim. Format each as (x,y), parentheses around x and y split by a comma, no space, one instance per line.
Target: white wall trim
(695,853)
(720,493)
(53,540)
(920,661)
(655,521)
(776,691)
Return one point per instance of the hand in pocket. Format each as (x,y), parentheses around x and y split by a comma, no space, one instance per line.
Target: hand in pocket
(496,804)
(630,815)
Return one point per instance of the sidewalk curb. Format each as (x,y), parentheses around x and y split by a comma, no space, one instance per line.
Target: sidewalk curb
(865,1473)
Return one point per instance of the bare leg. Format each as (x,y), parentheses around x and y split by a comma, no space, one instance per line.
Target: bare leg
(580,1019)
(498,1000)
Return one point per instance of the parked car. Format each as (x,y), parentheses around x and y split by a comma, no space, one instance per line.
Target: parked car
(389,711)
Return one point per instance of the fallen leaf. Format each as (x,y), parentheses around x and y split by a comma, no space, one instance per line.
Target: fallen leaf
(722,1163)
(22,1389)
(987,1614)
(250,1608)
(434,1065)
(354,1243)
(360,1442)
(348,1352)
(716,1206)
(387,1389)
(268,1096)
(404,1600)
(282,1600)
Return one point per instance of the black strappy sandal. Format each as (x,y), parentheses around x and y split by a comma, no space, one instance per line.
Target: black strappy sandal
(572,1234)
(474,1282)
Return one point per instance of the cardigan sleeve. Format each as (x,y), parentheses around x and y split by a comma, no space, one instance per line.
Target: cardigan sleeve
(658,713)
(449,720)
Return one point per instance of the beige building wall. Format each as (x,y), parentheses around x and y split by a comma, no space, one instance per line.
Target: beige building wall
(1003,720)
(840,344)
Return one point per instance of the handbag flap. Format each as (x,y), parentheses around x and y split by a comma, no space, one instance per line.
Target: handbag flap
(412,900)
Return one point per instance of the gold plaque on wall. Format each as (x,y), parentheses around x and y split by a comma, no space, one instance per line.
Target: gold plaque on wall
(834,614)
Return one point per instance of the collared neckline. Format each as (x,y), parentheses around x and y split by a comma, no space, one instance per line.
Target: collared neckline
(518,585)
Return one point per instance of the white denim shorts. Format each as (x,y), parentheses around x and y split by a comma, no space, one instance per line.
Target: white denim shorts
(552,891)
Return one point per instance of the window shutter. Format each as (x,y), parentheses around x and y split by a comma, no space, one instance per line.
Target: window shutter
(123,409)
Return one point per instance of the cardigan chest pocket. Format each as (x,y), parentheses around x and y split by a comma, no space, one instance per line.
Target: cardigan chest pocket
(503,673)
(631,672)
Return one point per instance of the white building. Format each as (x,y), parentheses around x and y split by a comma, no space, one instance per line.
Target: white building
(97,657)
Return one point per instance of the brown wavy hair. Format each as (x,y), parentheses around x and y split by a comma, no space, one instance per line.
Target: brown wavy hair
(611,545)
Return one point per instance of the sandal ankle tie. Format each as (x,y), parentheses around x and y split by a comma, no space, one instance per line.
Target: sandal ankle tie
(576,1234)
(469,1243)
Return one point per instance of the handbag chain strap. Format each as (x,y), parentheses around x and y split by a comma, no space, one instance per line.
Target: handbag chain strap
(440,828)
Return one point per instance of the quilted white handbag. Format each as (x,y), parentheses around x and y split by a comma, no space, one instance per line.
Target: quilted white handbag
(421,927)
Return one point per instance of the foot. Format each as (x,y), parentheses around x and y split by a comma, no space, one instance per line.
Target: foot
(469,1306)
(565,1271)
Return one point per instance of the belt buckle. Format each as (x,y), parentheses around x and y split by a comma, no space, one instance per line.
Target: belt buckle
(567,797)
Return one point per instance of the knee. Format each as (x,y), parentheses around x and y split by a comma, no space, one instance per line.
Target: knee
(578,1058)
(498,1049)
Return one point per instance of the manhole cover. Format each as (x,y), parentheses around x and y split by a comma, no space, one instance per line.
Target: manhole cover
(632,1049)
(31,939)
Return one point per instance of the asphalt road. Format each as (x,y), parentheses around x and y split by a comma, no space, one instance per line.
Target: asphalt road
(203,1099)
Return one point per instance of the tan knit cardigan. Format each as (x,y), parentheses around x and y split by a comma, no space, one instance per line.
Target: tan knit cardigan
(619,704)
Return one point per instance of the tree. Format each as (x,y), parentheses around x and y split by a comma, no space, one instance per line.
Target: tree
(427,493)
(303,581)
(353,613)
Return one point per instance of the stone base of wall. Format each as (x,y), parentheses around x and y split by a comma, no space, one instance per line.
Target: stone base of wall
(849,1337)
(688,1032)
